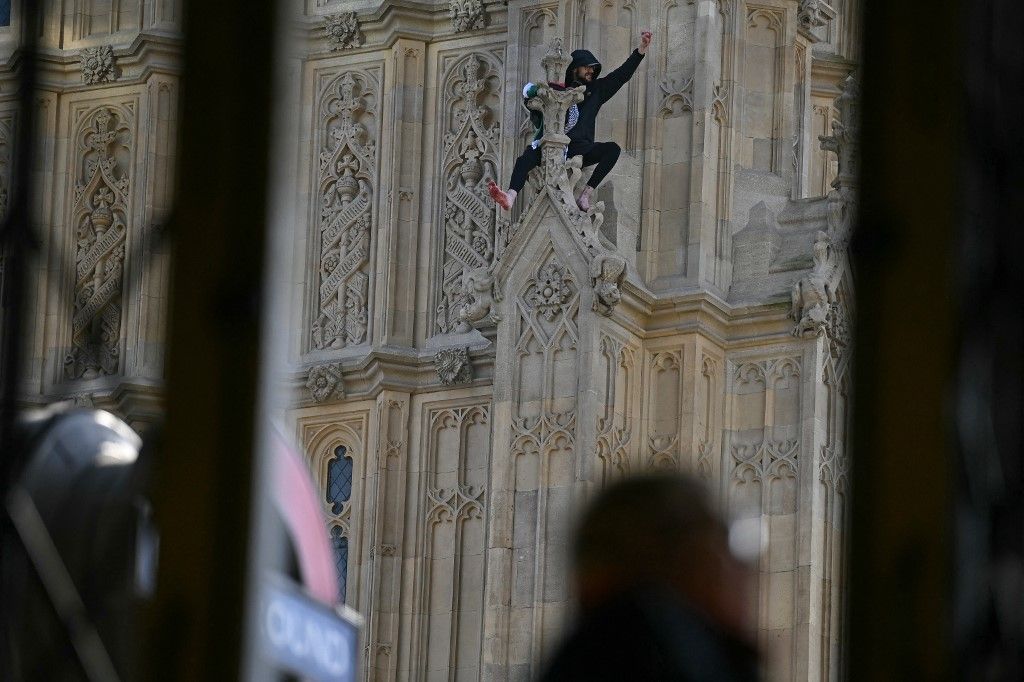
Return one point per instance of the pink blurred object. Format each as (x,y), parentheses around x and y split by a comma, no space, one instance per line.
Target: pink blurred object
(298,502)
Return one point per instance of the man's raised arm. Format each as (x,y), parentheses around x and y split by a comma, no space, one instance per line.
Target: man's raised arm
(610,84)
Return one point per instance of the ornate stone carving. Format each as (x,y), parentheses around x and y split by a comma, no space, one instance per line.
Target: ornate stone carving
(343,30)
(347,133)
(607,272)
(453,366)
(811,14)
(467,15)
(98,65)
(614,424)
(100,213)
(479,301)
(677,95)
(813,295)
(770,459)
(326,382)
(458,502)
(706,445)
(548,310)
(471,109)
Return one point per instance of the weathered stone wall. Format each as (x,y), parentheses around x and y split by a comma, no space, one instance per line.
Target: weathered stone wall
(485,373)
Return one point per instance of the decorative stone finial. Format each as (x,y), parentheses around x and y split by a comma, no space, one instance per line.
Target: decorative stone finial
(555,62)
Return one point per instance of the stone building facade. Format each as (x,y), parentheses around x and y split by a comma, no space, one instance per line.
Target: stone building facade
(464,379)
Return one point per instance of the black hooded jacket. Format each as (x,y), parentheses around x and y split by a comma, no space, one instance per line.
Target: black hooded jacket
(599,90)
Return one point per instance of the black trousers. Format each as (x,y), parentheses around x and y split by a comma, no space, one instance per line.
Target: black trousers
(604,154)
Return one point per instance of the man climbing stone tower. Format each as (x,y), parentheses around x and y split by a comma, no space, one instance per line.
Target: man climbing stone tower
(580,122)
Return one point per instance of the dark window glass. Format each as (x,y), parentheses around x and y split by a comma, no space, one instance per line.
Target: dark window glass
(339,490)
(339,480)
(340,543)
(5,12)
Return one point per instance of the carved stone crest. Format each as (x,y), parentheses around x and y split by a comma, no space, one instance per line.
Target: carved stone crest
(607,271)
(98,65)
(467,15)
(343,30)
(325,382)
(453,366)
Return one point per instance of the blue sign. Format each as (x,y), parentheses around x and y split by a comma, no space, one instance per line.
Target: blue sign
(306,637)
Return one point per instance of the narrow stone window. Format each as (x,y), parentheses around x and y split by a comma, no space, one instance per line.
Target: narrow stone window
(339,490)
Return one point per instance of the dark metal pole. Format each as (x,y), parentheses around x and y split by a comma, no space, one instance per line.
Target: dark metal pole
(203,479)
(19,245)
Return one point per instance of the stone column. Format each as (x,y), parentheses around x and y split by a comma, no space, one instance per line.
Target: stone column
(395,287)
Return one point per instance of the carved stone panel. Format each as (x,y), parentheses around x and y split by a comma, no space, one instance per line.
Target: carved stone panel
(347,131)
(470,107)
(618,371)
(664,398)
(763,462)
(450,585)
(102,167)
(544,386)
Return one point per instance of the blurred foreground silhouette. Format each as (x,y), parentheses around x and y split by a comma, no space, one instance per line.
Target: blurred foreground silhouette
(661,595)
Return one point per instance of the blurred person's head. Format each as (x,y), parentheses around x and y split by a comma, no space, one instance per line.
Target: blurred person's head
(661,530)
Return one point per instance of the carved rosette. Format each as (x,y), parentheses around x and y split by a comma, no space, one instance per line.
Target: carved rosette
(348,142)
(326,382)
(343,31)
(551,290)
(100,213)
(467,15)
(453,366)
(98,65)
(471,107)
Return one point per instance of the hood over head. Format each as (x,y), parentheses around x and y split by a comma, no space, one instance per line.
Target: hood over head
(582,58)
